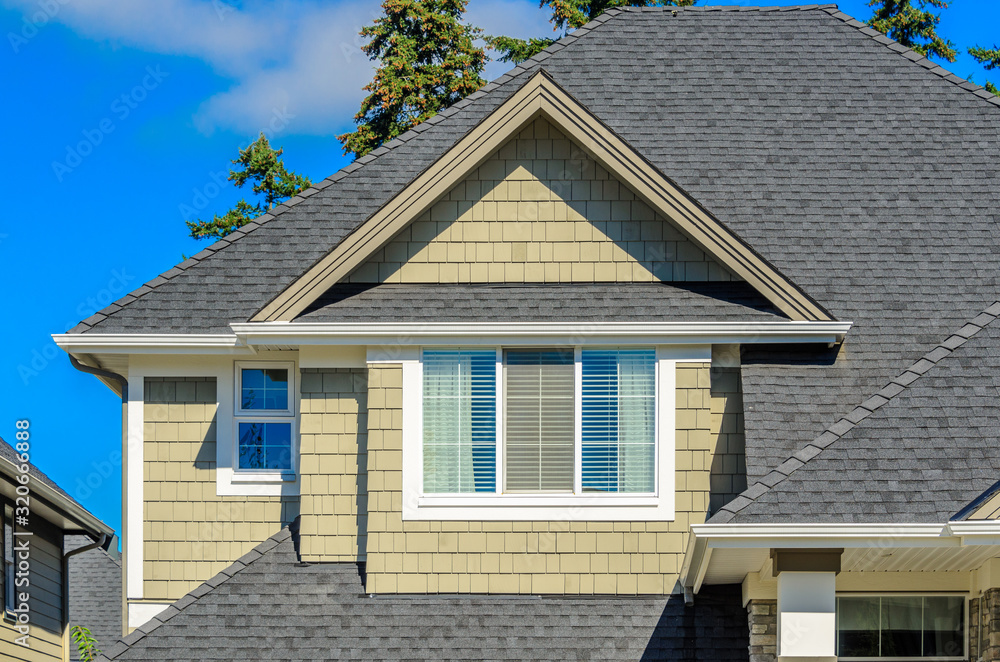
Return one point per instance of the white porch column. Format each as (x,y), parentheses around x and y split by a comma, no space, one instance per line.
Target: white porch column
(807,616)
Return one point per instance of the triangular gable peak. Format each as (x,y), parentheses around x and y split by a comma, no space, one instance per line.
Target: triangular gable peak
(984,507)
(540,210)
(541,97)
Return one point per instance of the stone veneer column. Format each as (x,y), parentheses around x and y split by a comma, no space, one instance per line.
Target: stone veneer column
(762,620)
(989,603)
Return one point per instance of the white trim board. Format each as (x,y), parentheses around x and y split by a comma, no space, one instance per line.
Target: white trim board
(140,613)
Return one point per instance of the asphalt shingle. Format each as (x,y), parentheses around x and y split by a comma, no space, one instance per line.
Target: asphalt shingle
(276,609)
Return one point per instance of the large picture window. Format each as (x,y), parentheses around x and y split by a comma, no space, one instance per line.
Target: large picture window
(265,417)
(558,421)
(901,627)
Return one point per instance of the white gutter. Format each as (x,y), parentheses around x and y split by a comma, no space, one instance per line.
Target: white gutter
(821,535)
(407,333)
(977,532)
(413,333)
(135,343)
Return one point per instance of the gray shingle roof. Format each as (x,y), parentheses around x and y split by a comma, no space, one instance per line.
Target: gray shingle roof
(863,172)
(267,607)
(95,593)
(919,450)
(578,302)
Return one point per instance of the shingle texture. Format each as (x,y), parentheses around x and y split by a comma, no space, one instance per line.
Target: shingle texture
(95,593)
(578,302)
(266,607)
(920,450)
(861,171)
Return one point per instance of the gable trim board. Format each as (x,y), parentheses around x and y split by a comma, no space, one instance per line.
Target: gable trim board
(542,96)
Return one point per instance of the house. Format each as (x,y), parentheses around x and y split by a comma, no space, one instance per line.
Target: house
(678,341)
(45,534)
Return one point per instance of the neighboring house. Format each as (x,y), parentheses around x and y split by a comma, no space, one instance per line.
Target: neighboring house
(39,568)
(678,341)
(95,591)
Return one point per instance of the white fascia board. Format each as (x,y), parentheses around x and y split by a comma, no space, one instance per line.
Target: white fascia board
(159,343)
(756,536)
(429,333)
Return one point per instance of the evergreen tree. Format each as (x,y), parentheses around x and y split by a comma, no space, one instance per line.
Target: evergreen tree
(913,27)
(262,166)
(990,59)
(568,15)
(428,60)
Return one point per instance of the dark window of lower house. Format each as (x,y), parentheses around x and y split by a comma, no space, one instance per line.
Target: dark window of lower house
(901,626)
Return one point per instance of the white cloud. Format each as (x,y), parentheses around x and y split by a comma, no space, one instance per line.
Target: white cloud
(288,59)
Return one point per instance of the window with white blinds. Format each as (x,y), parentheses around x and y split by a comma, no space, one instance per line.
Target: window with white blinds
(618,420)
(539,420)
(560,420)
(459,421)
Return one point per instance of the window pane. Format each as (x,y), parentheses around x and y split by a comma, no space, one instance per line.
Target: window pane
(944,626)
(858,627)
(265,446)
(901,623)
(619,418)
(264,388)
(459,411)
(539,420)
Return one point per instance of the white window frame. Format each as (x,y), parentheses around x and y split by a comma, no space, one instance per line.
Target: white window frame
(288,415)
(579,506)
(898,594)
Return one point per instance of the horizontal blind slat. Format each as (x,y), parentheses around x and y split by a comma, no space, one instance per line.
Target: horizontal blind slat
(539,420)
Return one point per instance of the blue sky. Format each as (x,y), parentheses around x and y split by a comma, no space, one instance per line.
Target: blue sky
(121,117)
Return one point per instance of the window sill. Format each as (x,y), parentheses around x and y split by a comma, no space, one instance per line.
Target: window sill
(537,500)
(539,508)
(282,477)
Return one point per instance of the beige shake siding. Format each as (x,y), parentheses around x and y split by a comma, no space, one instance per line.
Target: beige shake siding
(729,465)
(574,557)
(334,464)
(46,595)
(189,532)
(539,210)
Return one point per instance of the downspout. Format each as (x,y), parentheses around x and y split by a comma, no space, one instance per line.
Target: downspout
(65,585)
(123,383)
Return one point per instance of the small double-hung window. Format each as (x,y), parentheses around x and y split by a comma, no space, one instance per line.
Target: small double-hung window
(265,417)
(554,421)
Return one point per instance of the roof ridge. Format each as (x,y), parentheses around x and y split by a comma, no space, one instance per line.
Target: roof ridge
(733,8)
(527,66)
(912,55)
(850,420)
(239,565)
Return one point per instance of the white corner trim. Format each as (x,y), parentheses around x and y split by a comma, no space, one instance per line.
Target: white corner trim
(140,613)
(134,539)
(397,335)
(529,507)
